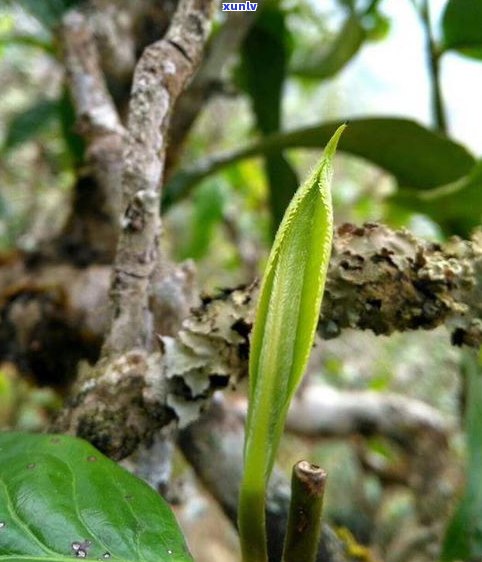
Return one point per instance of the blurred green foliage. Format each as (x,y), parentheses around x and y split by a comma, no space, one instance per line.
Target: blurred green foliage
(463,540)
(208,209)
(29,123)
(462,29)
(23,406)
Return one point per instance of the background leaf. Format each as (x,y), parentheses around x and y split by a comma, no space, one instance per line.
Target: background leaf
(27,40)
(323,64)
(208,207)
(462,27)
(74,143)
(265,53)
(416,156)
(456,208)
(58,492)
(30,122)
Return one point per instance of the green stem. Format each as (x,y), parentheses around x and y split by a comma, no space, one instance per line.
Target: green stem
(304,520)
(251,510)
(438,107)
(252,524)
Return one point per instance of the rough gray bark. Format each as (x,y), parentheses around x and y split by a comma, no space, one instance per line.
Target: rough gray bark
(388,281)
(161,74)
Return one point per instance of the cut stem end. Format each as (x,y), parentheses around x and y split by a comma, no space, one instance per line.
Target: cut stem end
(304,520)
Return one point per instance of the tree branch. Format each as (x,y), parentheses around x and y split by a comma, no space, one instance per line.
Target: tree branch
(113,24)
(421,431)
(97,118)
(387,281)
(378,279)
(162,72)
(321,410)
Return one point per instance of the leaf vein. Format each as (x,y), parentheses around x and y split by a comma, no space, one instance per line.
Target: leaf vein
(16,517)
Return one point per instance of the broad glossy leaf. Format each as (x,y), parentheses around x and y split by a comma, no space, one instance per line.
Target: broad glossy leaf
(60,496)
(462,27)
(463,539)
(326,63)
(283,333)
(416,156)
(30,122)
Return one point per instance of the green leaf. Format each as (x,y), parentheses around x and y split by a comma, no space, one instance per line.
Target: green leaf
(283,333)
(265,52)
(43,114)
(456,207)
(283,182)
(30,122)
(323,64)
(462,27)
(74,143)
(27,40)
(57,492)
(376,25)
(463,538)
(208,203)
(416,156)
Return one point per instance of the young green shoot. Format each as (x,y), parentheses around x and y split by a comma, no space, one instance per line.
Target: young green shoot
(283,333)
